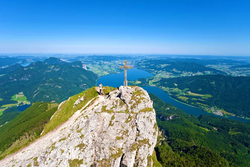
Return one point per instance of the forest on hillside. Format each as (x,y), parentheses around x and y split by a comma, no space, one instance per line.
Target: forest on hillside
(231,94)
(46,81)
(200,141)
(25,127)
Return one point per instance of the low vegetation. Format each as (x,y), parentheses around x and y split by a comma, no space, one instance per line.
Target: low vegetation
(107,89)
(147,109)
(75,162)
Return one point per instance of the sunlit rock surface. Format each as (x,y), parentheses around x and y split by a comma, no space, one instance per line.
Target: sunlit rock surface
(115,130)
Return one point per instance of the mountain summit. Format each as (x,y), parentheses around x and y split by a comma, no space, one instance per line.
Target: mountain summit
(50,80)
(118,130)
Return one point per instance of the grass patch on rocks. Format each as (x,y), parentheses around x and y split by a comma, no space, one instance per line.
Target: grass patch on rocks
(104,109)
(75,162)
(147,109)
(117,154)
(107,90)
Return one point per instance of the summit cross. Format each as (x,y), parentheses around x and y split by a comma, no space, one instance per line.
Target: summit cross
(125,72)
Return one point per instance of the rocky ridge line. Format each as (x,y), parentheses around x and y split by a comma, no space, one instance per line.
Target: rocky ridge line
(117,130)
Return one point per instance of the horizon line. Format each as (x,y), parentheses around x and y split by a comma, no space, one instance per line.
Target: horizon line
(141,54)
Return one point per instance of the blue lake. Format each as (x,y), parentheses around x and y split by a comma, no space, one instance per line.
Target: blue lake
(23,107)
(25,65)
(116,80)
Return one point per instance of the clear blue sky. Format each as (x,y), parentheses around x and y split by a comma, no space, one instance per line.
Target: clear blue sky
(200,27)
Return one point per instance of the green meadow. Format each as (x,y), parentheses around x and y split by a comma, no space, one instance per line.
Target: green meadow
(19,98)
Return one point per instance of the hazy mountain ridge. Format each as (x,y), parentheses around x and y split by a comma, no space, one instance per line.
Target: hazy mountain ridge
(9,69)
(175,67)
(247,66)
(7,61)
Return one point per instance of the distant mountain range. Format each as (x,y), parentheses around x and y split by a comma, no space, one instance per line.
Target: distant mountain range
(51,79)
(175,67)
(241,66)
(9,69)
(211,61)
(6,61)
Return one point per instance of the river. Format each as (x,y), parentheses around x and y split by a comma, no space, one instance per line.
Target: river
(116,80)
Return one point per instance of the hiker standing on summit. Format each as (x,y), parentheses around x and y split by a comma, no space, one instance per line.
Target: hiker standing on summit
(100,88)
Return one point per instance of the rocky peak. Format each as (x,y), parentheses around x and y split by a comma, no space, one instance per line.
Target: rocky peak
(116,130)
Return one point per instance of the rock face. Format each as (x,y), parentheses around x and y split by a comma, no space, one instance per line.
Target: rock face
(117,130)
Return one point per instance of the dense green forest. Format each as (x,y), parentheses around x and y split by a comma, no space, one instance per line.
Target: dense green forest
(9,114)
(229,93)
(175,67)
(9,69)
(25,128)
(200,141)
(49,80)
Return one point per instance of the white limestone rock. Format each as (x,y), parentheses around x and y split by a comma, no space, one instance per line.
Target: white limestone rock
(112,131)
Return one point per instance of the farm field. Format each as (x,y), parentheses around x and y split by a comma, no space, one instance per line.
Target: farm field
(19,98)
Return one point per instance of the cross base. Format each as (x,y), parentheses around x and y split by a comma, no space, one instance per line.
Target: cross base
(125,83)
